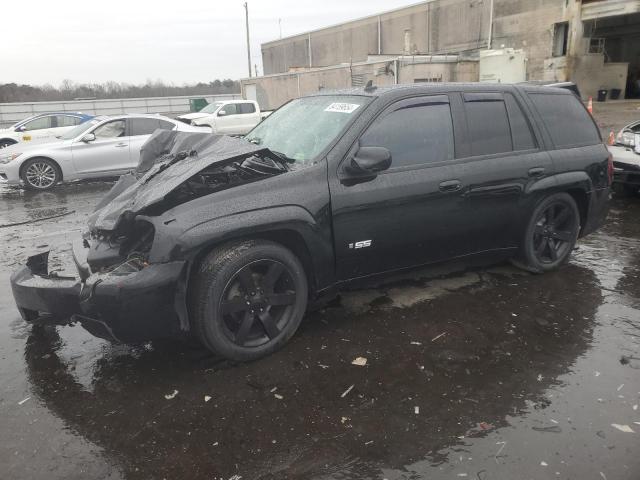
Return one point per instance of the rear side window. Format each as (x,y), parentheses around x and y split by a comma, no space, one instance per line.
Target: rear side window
(418,133)
(68,121)
(520,129)
(246,108)
(567,121)
(488,124)
(146,126)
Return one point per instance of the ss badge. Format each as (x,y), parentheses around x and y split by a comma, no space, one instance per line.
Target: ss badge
(361,244)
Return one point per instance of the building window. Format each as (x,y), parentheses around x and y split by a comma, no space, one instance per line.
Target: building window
(560,39)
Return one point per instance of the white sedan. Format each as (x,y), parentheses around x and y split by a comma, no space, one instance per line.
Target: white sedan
(101,147)
(44,127)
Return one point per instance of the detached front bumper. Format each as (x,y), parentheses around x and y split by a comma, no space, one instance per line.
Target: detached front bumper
(122,307)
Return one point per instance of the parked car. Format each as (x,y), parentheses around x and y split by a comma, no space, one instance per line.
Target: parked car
(626,136)
(40,128)
(101,147)
(626,165)
(229,117)
(232,243)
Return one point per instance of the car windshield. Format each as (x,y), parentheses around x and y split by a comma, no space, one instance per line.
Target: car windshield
(211,108)
(22,122)
(80,129)
(303,128)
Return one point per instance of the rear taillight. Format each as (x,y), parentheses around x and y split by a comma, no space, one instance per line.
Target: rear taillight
(610,168)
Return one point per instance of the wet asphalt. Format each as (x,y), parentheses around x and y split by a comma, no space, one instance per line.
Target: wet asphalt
(479,373)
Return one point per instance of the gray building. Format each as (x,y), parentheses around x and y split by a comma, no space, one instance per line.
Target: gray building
(593,42)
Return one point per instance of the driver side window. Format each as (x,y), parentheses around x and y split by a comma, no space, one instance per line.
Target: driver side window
(230,109)
(113,129)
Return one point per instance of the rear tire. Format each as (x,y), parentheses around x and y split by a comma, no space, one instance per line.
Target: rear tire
(40,174)
(248,299)
(551,234)
(6,142)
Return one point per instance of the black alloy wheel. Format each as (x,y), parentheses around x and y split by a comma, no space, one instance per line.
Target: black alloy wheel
(257,303)
(247,299)
(551,234)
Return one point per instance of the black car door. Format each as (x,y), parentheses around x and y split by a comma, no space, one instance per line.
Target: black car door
(408,214)
(502,161)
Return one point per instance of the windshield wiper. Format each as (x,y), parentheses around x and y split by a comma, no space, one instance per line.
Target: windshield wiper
(281,156)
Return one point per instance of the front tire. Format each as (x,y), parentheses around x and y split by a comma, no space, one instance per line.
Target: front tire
(551,234)
(40,174)
(248,299)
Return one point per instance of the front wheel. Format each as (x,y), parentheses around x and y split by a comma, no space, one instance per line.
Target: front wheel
(248,299)
(40,174)
(551,234)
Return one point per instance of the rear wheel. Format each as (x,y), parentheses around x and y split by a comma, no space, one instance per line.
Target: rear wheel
(5,142)
(248,299)
(551,234)
(40,174)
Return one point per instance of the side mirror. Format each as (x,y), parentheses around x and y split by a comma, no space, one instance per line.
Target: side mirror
(89,137)
(21,128)
(222,113)
(368,160)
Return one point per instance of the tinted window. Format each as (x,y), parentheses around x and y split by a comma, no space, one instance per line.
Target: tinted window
(520,129)
(110,130)
(488,126)
(67,121)
(38,124)
(164,125)
(146,126)
(567,121)
(229,109)
(415,134)
(247,108)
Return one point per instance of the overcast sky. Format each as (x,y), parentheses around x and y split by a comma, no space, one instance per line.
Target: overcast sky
(132,41)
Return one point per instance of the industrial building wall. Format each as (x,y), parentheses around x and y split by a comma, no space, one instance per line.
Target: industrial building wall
(438,26)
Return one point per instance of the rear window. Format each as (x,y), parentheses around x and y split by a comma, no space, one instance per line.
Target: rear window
(488,124)
(567,121)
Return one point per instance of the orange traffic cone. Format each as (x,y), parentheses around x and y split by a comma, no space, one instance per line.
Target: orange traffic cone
(590,105)
(612,138)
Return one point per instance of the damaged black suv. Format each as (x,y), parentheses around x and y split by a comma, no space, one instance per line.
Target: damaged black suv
(230,239)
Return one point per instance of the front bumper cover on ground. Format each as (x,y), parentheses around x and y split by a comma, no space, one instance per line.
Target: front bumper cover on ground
(126,308)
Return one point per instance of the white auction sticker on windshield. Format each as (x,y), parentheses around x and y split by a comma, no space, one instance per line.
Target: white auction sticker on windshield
(342,107)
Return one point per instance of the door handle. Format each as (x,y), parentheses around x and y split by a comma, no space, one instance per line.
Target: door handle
(451,186)
(536,172)
(120,145)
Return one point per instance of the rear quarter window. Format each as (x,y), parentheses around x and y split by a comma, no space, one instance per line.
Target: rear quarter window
(567,121)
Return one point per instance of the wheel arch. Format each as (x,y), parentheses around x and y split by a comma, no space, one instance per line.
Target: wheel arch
(12,141)
(35,157)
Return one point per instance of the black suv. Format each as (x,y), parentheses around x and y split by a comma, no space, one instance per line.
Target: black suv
(231,239)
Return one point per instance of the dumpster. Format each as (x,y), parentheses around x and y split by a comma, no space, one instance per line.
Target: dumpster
(602,95)
(197,104)
(615,93)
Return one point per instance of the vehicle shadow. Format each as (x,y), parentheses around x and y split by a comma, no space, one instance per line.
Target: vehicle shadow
(466,358)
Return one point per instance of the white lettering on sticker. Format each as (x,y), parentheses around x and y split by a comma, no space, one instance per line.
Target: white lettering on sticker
(342,107)
(361,244)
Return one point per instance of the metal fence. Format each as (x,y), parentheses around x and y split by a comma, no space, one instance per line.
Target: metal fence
(11,113)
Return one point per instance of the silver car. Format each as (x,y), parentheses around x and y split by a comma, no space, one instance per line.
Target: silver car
(101,147)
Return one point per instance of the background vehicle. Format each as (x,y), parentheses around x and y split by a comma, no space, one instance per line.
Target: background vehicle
(231,117)
(40,128)
(626,164)
(232,244)
(101,147)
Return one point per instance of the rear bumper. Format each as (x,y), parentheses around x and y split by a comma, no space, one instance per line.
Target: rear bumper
(126,308)
(598,210)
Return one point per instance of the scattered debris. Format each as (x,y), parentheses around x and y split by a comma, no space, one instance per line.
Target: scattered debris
(462,475)
(514,314)
(324,367)
(416,410)
(623,428)
(369,442)
(596,373)
(620,387)
(37,219)
(552,429)
(278,396)
(346,392)
(360,361)
(544,464)
(215,444)
(171,396)
(416,343)
(540,377)
(344,419)
(485,426)
(24,401)
(273,389)
(439,336)
(635,407)
(207,398)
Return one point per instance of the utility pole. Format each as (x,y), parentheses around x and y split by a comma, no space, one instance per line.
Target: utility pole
(246,17)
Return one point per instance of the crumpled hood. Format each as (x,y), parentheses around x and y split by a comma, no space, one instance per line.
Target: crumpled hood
(194,115)
(156,175)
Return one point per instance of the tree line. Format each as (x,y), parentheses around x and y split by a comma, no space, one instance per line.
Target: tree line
(69,90)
